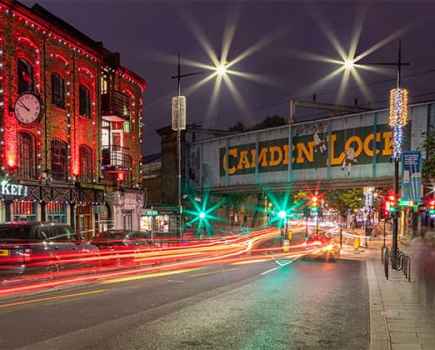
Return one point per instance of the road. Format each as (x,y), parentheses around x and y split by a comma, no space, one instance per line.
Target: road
(303,305)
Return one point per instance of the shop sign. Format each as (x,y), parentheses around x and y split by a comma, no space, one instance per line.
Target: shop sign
(337,148)
(150,212)
(11,189)
(411,176)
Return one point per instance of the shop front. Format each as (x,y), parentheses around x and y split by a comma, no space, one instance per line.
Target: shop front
(49,203)
(161,220)
(87,213)
(126,209)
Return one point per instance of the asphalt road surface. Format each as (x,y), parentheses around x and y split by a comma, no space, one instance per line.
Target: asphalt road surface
(303,305)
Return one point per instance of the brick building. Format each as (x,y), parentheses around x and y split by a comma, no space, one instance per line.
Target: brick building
(70,125)
(160,176)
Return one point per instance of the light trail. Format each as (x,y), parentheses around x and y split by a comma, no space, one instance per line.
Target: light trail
(228,251)
(47,299)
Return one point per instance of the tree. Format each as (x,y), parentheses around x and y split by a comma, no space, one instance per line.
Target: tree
(239,127)
(342,200)
(428,171)
(270,122)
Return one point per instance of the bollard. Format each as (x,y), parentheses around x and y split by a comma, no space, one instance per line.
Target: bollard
(286,246)
(356,243)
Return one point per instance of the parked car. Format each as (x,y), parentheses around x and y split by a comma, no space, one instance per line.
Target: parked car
(119,247)
(38,247)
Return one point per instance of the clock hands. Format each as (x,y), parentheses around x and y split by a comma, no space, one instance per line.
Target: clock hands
(23,105)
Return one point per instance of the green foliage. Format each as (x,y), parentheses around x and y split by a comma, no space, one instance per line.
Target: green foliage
(428,171)
(268,122)
(238,127)
(342,200)
(235,200)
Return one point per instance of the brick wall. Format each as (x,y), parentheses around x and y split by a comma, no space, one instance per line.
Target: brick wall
(51,50)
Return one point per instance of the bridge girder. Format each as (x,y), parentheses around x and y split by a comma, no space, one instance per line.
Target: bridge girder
(321,186)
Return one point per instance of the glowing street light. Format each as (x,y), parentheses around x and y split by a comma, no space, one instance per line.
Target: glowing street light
(282,214)
(179,122)
(348,64)
(221,70)
(202,215)
(398,118)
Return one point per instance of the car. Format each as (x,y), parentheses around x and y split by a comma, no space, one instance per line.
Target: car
(119,247)
(27,247)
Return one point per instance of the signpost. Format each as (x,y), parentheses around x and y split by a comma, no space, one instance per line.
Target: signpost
(411,177)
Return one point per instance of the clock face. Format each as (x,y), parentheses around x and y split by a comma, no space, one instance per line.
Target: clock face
(27,108)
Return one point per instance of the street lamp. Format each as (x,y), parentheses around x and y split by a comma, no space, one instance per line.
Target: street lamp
(398,118)
(220,70)
(348,64)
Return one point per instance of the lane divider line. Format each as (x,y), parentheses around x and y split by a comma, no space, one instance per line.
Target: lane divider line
(140,277)
(57,297)
(280,265)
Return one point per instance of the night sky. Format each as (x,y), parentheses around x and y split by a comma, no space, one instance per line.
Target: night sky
(145,32)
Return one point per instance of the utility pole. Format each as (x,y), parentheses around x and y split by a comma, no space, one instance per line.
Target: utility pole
(180,126)
(180,207)
(397,131)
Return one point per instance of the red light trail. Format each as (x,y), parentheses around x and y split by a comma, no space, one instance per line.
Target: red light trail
(125,263)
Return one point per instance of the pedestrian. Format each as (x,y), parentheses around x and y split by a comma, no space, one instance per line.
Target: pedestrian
(428,270)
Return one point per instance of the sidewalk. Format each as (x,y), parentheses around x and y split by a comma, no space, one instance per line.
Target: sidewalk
(399,319)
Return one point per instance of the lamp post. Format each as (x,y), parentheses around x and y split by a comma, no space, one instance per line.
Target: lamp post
(220,70)
(398,119)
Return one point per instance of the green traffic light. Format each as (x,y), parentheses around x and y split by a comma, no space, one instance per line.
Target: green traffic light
(202,215)
(282,214)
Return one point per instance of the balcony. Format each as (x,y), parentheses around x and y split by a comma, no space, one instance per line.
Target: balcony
(115,158)
(115,106)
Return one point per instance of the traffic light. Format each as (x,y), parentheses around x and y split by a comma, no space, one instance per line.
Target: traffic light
(432,207)
(314,204)
(391,203)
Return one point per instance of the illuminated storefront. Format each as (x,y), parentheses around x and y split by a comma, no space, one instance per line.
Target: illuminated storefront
(159,220)
(126,209)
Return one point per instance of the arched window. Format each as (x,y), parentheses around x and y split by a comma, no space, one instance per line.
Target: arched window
(57,90)
(26,151)
(59,157)
(86,169)
(84,101)
(24,76)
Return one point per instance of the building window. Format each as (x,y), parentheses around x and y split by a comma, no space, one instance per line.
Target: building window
(23,211)
(26,150)
(56,212)
(104,84)
(85,101)
(58,90)
(86,170)
(59,155)
(25,77)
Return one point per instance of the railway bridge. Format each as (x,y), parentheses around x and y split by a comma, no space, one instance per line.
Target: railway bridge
(347,151)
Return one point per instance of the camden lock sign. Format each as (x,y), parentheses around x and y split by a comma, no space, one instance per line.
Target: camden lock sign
(338,148)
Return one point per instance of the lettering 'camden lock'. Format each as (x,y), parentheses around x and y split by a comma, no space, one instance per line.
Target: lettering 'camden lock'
(359,145)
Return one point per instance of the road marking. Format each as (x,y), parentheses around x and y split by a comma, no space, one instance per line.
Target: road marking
(270,270)
(251,261)
(280,265)
(57,297)
(212,273)
(140,277)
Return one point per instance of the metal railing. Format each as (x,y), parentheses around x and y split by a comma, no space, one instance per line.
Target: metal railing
(115,156)
(400,262)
